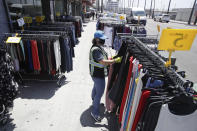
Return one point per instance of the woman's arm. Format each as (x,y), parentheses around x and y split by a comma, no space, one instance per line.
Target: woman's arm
(107,62)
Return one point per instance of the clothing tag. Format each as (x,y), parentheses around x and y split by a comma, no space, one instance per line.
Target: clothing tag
(21,22)
(13,40)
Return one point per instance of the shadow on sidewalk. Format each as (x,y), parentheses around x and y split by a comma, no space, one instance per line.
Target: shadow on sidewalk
(87,120)
(8,127)
(39,90)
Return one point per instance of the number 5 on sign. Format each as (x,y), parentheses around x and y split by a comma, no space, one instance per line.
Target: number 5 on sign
(177,39)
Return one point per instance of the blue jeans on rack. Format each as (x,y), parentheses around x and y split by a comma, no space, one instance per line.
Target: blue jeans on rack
(97,93)
(73,34)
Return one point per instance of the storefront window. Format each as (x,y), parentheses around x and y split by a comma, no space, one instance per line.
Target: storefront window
(21,8)
(59,8)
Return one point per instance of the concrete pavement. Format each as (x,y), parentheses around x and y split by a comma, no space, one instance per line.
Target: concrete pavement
(45,107)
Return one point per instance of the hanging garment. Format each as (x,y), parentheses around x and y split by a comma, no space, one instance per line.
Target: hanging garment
(35,57)
(39,44)
(71,54)
(53,61)
(127,30)
(30,61)
(49,56)
(116,67)
(117,91)
(150,114)
(170,122)
(57,54)
(108,31)
(45,55)
(21,56)
(141,106)
(13,51)
(129,101)
(23,50)
(136,100)
(117,43)
(63,54)
(19,53)
(109,103)
(126,89)
(66,57)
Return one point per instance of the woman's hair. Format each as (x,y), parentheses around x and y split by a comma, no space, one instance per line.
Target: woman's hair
(94,41)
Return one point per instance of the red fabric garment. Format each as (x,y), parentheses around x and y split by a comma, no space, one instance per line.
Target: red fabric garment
(126,89)
(143,98)
(127,30)
(35,57)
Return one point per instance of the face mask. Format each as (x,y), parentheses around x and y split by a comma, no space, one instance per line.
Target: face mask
(102,42)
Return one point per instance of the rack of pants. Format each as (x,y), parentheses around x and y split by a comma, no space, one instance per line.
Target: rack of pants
(76,20)
(66,48)
(141,89)
(41,55)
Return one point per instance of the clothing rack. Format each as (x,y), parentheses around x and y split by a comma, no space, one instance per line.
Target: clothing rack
(174,76)
(58,77)
(61,33)
(59,23)
(149,39)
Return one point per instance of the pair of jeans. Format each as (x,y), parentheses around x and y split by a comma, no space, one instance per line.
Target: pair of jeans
(72,28)
(97,93)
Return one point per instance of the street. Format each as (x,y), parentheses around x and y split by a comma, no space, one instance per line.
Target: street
(185,60)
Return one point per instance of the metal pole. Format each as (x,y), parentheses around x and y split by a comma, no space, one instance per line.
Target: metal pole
(132,3)
(195,20)
(98,5)
(169,6)
(190,18)
(145,5)
(124,6)
(150,13)
(138,3)
(101,6)
(153,10)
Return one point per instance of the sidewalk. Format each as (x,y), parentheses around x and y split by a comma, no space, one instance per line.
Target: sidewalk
(180,22)
(45,107)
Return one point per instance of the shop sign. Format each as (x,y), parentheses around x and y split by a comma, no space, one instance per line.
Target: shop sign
(40,19)
(13,40)
(28,20)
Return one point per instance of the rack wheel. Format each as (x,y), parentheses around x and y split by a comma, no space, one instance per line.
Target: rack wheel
(60,80)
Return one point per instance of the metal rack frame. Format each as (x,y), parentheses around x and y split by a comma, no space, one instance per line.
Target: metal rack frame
(171,73)
(59,75)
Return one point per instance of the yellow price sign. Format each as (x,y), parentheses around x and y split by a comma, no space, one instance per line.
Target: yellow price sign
(177,39)
(28,20)
(13,40)
(40,19)
(122,17)
(57,14)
